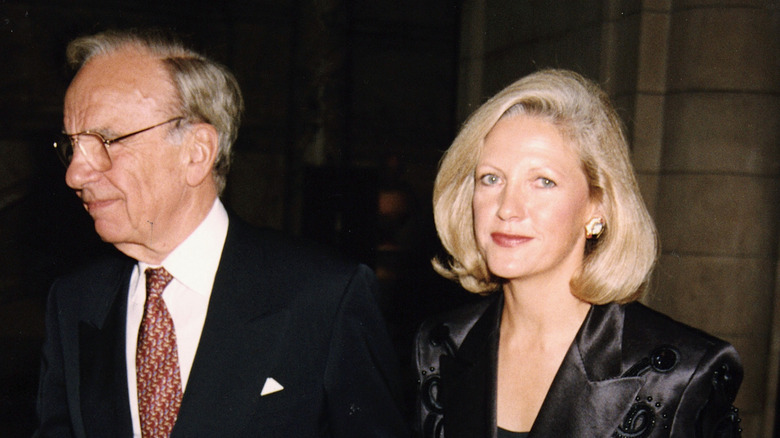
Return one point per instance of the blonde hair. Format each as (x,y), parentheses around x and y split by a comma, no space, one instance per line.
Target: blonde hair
(617,266)
(206,90)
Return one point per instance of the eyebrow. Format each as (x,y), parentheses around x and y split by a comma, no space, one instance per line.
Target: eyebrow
(107,133)
(102,131)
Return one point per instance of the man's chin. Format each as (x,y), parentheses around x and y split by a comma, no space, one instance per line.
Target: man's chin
(109,232)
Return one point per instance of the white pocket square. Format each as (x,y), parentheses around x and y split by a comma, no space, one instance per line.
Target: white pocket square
(271,386)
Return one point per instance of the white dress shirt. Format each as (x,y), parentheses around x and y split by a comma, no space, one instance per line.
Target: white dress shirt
(193,265)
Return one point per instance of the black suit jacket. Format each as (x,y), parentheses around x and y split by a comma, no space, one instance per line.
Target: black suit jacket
(630,372)
(278,310)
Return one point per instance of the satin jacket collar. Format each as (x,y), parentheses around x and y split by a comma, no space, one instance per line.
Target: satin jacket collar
(589,375)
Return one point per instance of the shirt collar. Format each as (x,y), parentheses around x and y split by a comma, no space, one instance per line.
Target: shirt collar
(195,261)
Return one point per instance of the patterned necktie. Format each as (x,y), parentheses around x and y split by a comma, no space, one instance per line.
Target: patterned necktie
(157,361)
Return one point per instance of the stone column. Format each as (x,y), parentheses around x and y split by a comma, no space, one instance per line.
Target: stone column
(471,58)
(719,184)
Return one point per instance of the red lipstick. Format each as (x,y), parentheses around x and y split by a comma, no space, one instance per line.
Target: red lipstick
(508,240)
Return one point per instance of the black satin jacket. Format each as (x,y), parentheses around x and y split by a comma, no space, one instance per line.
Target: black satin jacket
(630,372)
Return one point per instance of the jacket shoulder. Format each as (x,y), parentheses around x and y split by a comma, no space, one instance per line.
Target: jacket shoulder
(442,337)
(645,326)
(664,344)
(85,288)
(274,270)
(282,252)
(444,333)
(685,367)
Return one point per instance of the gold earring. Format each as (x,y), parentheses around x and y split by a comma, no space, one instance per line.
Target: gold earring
(594,228)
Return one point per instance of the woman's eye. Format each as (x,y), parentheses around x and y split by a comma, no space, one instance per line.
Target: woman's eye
(489,179)
(546,183)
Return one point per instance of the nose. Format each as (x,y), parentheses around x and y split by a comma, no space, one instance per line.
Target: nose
(80,171)
(512,205)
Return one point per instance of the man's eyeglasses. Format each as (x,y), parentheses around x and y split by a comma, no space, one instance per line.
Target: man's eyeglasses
(94,146)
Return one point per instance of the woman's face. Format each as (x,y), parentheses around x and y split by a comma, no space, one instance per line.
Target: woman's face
(531,201)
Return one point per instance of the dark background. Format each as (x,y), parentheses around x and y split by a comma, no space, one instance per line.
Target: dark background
(348,107)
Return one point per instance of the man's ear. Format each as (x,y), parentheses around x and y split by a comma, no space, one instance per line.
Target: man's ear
(202,145)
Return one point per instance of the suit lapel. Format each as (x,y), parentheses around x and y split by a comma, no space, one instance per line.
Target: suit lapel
(239,342)
(104,400)
(589,376)
(469,379)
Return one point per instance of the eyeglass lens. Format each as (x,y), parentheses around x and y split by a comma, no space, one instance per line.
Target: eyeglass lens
(91,146)
(94,146)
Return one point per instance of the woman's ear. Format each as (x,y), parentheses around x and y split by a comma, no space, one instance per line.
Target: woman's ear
(595,220)
(202,146)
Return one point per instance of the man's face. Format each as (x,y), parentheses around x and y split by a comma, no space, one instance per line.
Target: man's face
(136,201)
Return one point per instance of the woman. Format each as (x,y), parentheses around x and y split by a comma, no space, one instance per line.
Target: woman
(537,204)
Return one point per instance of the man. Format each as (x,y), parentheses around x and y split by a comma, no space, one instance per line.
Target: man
(208,327)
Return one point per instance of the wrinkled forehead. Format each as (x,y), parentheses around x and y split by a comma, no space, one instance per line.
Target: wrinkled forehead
(112,88)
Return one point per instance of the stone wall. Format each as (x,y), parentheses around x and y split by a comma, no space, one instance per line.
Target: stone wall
(696,83)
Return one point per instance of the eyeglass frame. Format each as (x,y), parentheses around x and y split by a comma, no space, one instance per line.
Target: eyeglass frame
(107,142)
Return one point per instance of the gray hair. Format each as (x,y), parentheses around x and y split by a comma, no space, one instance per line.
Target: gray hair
(206,90)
